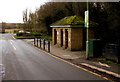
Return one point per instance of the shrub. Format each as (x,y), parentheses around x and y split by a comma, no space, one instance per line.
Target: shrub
(19,34)
(36,34)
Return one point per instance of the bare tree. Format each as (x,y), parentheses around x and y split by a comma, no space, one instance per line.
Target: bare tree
(25,18)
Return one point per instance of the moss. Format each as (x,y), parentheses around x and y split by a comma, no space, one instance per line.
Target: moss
(73,20)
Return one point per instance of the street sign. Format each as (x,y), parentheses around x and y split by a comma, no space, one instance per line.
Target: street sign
(87,18)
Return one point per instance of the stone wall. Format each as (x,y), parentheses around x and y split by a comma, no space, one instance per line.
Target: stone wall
(75,37)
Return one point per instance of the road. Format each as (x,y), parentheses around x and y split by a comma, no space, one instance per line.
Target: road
(24,62)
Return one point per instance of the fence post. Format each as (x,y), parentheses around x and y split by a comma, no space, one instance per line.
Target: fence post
(40,43)
(37,42)
(34,41)
(48,46)
(44,44)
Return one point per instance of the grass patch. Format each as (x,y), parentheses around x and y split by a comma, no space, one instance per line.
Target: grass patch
(107,61)
(19,36)
(33,34)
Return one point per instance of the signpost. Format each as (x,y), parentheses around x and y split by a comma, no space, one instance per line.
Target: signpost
(87,31)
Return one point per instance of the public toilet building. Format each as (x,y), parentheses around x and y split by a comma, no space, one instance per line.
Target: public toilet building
(70,33)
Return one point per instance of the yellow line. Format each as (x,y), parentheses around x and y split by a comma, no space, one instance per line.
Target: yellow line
(72,64)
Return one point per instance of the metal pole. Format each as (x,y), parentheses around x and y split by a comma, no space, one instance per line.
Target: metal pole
(87,45)
(87,33)
(34,41)
(48,46)
(44,44)
(37,42)
(40,43)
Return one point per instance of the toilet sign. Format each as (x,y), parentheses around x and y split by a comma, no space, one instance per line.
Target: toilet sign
(86,19)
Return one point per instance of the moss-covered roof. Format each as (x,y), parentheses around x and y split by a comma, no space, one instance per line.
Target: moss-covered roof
(73,21)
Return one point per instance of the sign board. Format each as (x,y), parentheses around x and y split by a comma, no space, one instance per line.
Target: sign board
(87,18)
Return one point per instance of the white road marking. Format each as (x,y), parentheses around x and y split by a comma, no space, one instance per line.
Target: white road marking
(100,69)
(14,47)
(11,41)
(12,44)
(104,64)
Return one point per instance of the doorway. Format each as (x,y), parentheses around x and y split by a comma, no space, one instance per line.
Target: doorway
(55,36)
(66,38)
(61,37)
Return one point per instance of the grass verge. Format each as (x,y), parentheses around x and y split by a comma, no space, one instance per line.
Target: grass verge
(18,37)
(42,36)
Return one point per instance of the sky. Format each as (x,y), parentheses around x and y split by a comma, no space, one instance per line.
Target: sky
(11,11)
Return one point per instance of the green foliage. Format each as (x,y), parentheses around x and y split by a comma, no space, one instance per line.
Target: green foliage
(35,34)
(46,37)
(105,16)
(106,61)
(19,34)
(22,34)
(50,13)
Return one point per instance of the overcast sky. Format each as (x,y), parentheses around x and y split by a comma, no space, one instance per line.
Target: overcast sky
(12,10)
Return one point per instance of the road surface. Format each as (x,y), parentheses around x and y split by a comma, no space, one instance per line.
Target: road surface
(24,62)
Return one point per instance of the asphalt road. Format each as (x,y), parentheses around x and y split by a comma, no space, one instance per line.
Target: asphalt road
(24,62)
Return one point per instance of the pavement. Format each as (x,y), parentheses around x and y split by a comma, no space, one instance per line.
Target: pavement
(78,57)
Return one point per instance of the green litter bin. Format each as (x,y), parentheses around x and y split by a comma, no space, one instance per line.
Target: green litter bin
(94,48)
